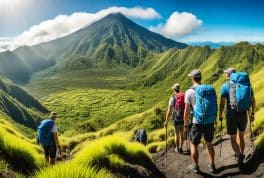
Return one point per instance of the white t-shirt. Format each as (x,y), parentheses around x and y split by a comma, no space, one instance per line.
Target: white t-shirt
(171,101)
(54,129)
(189,98)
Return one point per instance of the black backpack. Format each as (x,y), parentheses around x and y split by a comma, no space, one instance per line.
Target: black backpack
(141,136)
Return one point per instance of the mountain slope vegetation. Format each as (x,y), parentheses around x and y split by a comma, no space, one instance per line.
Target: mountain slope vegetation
(116,39)
(110,78)
(19,105)
(112,40)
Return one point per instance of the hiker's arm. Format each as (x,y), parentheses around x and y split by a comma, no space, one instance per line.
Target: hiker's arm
(253,107)
(186,114)
(221,107)
(55,136)
(168,114)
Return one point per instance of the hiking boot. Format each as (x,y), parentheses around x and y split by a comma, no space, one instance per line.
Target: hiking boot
(212,168)
(180,151)
(194,168)
(236,156)
(240,162)
(177,150)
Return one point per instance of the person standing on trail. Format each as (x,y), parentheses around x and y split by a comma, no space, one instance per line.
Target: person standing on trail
(48,137)
(176,108)
(236,109)
(202,100)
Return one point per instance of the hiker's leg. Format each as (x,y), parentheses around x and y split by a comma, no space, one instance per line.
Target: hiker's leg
(234,144)
(181,135)
(211,152)
(176,135)
(46,153)
(52,161)
(241,142)
(209,136)
(194,153)
(232,125)
(53,152)
(195,137)
(242,128)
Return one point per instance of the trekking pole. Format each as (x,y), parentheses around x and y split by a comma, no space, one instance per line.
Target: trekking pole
(221,142)
(187,142)
(251,131)
(166,137)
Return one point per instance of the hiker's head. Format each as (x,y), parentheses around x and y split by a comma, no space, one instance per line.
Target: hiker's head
(196,76)
(53,115)
(176,87)
(229,71)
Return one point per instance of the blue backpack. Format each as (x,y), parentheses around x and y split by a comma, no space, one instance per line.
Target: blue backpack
(240,91)
(45,137)
(141,136)
(205,110)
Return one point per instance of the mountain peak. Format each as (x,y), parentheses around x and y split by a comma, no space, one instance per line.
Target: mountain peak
(116,18)
(117,15)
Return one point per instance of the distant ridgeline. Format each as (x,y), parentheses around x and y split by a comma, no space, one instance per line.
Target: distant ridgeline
(112,40)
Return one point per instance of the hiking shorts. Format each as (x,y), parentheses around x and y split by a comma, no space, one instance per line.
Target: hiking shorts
(199,130)
(178,125)
(50,151)
(236,121)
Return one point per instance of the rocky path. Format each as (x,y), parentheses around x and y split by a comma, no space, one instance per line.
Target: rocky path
(175,165)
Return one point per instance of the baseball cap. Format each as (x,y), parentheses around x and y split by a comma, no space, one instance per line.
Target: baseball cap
(176,86)
(195,73)
(230,70)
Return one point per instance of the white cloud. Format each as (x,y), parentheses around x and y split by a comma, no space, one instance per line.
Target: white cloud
(178,25)
(63,25)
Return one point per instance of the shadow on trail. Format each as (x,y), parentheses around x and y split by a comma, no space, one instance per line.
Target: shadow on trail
(220,141)
(254,161)
(249,167)
(223,168)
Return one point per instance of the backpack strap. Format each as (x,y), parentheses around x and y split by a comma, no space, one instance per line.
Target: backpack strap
(174,102)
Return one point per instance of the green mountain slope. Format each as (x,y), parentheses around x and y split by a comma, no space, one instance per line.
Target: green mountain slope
(19,105)
(13,67)
(116,39)
(112,40)
(150,82)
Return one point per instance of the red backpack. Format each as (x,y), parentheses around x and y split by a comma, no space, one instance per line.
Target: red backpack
(179,106)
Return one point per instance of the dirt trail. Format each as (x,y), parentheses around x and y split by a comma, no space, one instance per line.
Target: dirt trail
(176,165)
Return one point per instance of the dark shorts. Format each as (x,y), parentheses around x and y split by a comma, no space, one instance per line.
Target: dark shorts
(178,125)
(177,122)
(236,121)
(198,130)
(50,151)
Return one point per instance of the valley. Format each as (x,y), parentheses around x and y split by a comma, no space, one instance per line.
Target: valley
(106,81)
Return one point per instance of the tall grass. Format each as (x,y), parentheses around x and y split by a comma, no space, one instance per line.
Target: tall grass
(99,152)
(100,157)
(71,170)
(260,141)
(18,151)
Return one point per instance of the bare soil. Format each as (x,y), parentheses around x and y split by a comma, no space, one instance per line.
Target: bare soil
(175,165)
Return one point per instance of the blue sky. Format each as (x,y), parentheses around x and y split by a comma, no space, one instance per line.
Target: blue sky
(209,20)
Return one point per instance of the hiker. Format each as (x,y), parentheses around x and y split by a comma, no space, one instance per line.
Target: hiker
(236,118)
(176,109)
(141,136)
(48,137)
(202,99)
